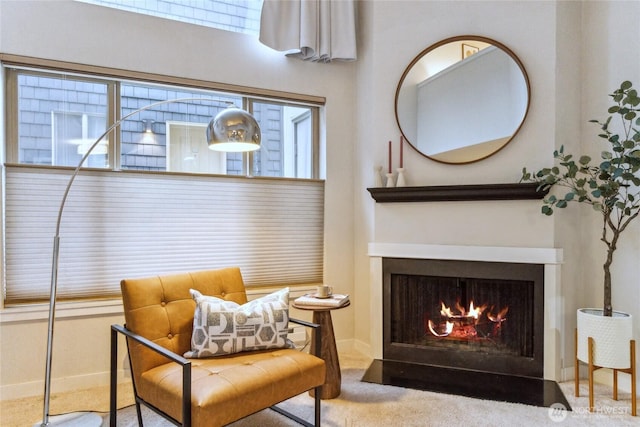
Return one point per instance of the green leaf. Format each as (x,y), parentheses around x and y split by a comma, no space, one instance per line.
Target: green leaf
(584,160)
(569,196)
(572,170)
(561,204)
(626,85)
(596,193)
(613,109)
(547,210)
(606,155)
(604,176)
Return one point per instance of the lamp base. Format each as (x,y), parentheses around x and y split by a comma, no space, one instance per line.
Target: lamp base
(74,419)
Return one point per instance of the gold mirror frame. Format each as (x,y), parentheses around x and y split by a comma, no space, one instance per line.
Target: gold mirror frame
(470,153)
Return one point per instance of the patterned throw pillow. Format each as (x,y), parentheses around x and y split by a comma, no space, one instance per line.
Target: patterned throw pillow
(224,327)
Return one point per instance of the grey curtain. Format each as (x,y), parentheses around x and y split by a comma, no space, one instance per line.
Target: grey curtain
(314,30)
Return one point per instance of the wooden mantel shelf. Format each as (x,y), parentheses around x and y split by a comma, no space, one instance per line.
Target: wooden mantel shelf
(451,193)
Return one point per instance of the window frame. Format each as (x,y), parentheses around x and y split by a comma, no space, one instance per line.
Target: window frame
(10,62)
(13,64)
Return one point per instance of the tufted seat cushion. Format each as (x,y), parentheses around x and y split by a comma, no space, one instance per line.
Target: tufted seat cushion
(224,388)
(230,387)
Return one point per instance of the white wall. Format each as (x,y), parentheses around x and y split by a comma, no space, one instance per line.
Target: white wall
(87,34)
(572,54)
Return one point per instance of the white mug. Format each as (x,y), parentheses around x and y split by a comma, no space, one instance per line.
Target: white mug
(324,291)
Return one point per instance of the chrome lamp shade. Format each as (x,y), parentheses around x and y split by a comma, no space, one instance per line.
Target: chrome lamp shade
(234,130)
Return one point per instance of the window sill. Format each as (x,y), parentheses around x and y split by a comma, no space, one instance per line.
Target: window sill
(71,309)
(74,309)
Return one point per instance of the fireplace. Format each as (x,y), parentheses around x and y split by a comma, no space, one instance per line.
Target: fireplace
(482,316)
(478,321)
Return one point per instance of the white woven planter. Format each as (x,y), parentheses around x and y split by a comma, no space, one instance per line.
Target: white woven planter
(611,336)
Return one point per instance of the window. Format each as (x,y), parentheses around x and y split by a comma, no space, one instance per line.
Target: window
(60,115)
(241,16)
(152,198)
(57,117)
(72,134)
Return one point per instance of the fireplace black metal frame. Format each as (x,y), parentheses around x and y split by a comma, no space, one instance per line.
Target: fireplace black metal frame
(494,363)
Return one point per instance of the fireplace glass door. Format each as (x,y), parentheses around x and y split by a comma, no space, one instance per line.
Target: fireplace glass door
(481,316)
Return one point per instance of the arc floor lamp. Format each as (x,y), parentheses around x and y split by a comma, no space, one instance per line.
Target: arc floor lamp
(231,130)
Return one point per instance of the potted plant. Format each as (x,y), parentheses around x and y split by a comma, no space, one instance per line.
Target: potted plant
(612,188)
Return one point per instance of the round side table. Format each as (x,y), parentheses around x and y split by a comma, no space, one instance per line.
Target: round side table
(328,351)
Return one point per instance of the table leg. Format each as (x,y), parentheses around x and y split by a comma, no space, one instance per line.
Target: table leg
(329,354)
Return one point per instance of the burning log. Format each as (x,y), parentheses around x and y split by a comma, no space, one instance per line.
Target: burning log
(462,325)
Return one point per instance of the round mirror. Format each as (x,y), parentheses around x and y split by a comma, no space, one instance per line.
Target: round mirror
(462,99)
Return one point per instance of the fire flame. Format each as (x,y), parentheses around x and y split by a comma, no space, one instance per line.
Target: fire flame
(474,312)
(463,322)
(447,330)
(500,317)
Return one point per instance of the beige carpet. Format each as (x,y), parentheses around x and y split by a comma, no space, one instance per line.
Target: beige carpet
(362,405)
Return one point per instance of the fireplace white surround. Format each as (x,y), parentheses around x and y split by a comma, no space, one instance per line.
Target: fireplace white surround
(551,258)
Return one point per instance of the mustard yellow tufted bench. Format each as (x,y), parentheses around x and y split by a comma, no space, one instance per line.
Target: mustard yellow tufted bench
(212,391)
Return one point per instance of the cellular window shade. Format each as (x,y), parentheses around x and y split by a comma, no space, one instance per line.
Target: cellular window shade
(128,224)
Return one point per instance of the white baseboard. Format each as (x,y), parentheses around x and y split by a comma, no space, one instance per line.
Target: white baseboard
(344,345)
(567,374)
(362,347)
(80,382)
(601,376)
(60,385)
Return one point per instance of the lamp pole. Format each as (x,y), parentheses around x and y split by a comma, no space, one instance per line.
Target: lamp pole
(56,246)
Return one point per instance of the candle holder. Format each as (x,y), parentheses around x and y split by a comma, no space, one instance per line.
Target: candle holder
(390,183)
(377,176)
(400,181)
